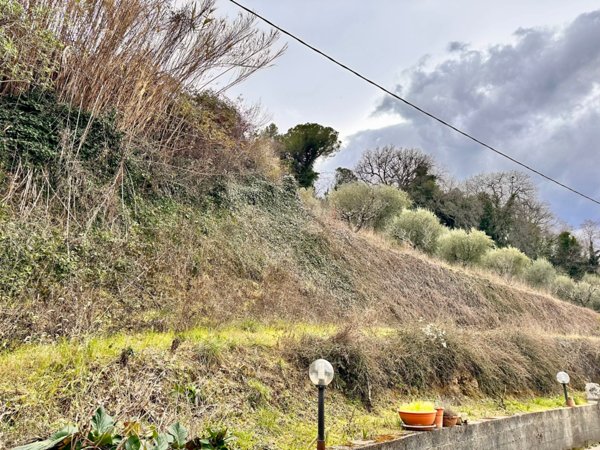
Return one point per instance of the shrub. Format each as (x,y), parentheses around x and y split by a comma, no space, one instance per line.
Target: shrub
(363,205)
(353,358)
(104,433)
(420,227)
(507,262)
(540,273)
(27,51)
(459,246)
(587,292)
(309,199)
(564,287)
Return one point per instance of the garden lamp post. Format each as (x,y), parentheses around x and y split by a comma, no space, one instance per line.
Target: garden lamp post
(564,378)
(321,374)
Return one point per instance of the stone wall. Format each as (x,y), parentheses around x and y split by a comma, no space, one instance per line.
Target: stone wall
(558,429)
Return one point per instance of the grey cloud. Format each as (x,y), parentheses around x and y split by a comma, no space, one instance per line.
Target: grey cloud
(456,46)
(537,98)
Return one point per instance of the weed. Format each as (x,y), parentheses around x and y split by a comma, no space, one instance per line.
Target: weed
(259,394)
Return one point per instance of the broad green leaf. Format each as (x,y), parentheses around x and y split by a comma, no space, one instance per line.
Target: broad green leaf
(57,438)
(133,443)
(102,428)
(102,423)
(161,442)
(179,434)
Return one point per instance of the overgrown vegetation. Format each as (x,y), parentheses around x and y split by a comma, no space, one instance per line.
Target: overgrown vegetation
(44,387)
(503,205)
(388,169)
(138,209)
(103,434)
(100,103)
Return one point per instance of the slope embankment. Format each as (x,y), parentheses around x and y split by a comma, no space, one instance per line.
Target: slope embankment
(254,252)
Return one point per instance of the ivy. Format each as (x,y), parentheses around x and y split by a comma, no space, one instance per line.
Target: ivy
(37,131)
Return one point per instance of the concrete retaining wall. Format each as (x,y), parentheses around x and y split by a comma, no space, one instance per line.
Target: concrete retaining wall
(558,429)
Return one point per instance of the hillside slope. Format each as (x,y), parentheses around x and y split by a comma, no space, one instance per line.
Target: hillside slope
(251,251)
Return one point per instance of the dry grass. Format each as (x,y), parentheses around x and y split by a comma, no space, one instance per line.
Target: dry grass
(453,362)
(253,379)
(258,256)
(137,56)
(148,63)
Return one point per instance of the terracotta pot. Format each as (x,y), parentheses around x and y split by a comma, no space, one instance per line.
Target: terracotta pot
(417,418)
(570,402)
(450,421)
(439,417)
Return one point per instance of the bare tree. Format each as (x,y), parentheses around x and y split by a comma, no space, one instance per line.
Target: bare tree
(590,232)
(393,166)
(512,211)
(590,235)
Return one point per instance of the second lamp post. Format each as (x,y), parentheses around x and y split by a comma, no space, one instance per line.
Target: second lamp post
(321,374)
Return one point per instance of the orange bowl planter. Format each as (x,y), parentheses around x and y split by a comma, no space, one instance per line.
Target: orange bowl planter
(417,418)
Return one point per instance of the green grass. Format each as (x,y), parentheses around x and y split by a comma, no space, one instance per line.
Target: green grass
(235,375)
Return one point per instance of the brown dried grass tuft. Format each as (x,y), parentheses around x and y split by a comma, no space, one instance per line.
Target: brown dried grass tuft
(138,56)
(449,361)
(159,67)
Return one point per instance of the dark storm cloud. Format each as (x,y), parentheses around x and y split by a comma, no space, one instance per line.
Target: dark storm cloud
(537,99)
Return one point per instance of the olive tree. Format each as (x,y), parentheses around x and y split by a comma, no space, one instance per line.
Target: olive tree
(460,246)
(362,205)
(419,227)
(507,262)
(540,273)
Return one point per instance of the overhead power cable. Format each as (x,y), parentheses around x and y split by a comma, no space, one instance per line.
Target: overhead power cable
(412,105)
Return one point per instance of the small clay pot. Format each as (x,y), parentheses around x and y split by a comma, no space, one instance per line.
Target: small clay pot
(570,402)
(439,417)
(450,421)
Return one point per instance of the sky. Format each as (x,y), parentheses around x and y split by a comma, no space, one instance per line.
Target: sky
(522,75)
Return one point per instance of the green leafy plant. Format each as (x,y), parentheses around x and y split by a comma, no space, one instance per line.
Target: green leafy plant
(105,434)
(217,439)
(420,228)
(418,406)
(102,432)
(362,205)
(59,440)
(507,262)
(462,247)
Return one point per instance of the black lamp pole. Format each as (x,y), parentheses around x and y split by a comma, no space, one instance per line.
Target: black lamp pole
(566,395)
(321,419)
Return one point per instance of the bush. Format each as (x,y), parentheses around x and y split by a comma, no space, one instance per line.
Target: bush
(587,292)
(420,227)
(309,198)
(564,287)
(27,51)
(459,246)
(540,273)
(363,205)
(507,262)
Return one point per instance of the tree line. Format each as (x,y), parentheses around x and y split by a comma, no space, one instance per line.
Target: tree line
(503,205)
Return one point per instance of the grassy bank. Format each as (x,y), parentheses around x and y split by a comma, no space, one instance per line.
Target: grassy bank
(252,378)
(247,251)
